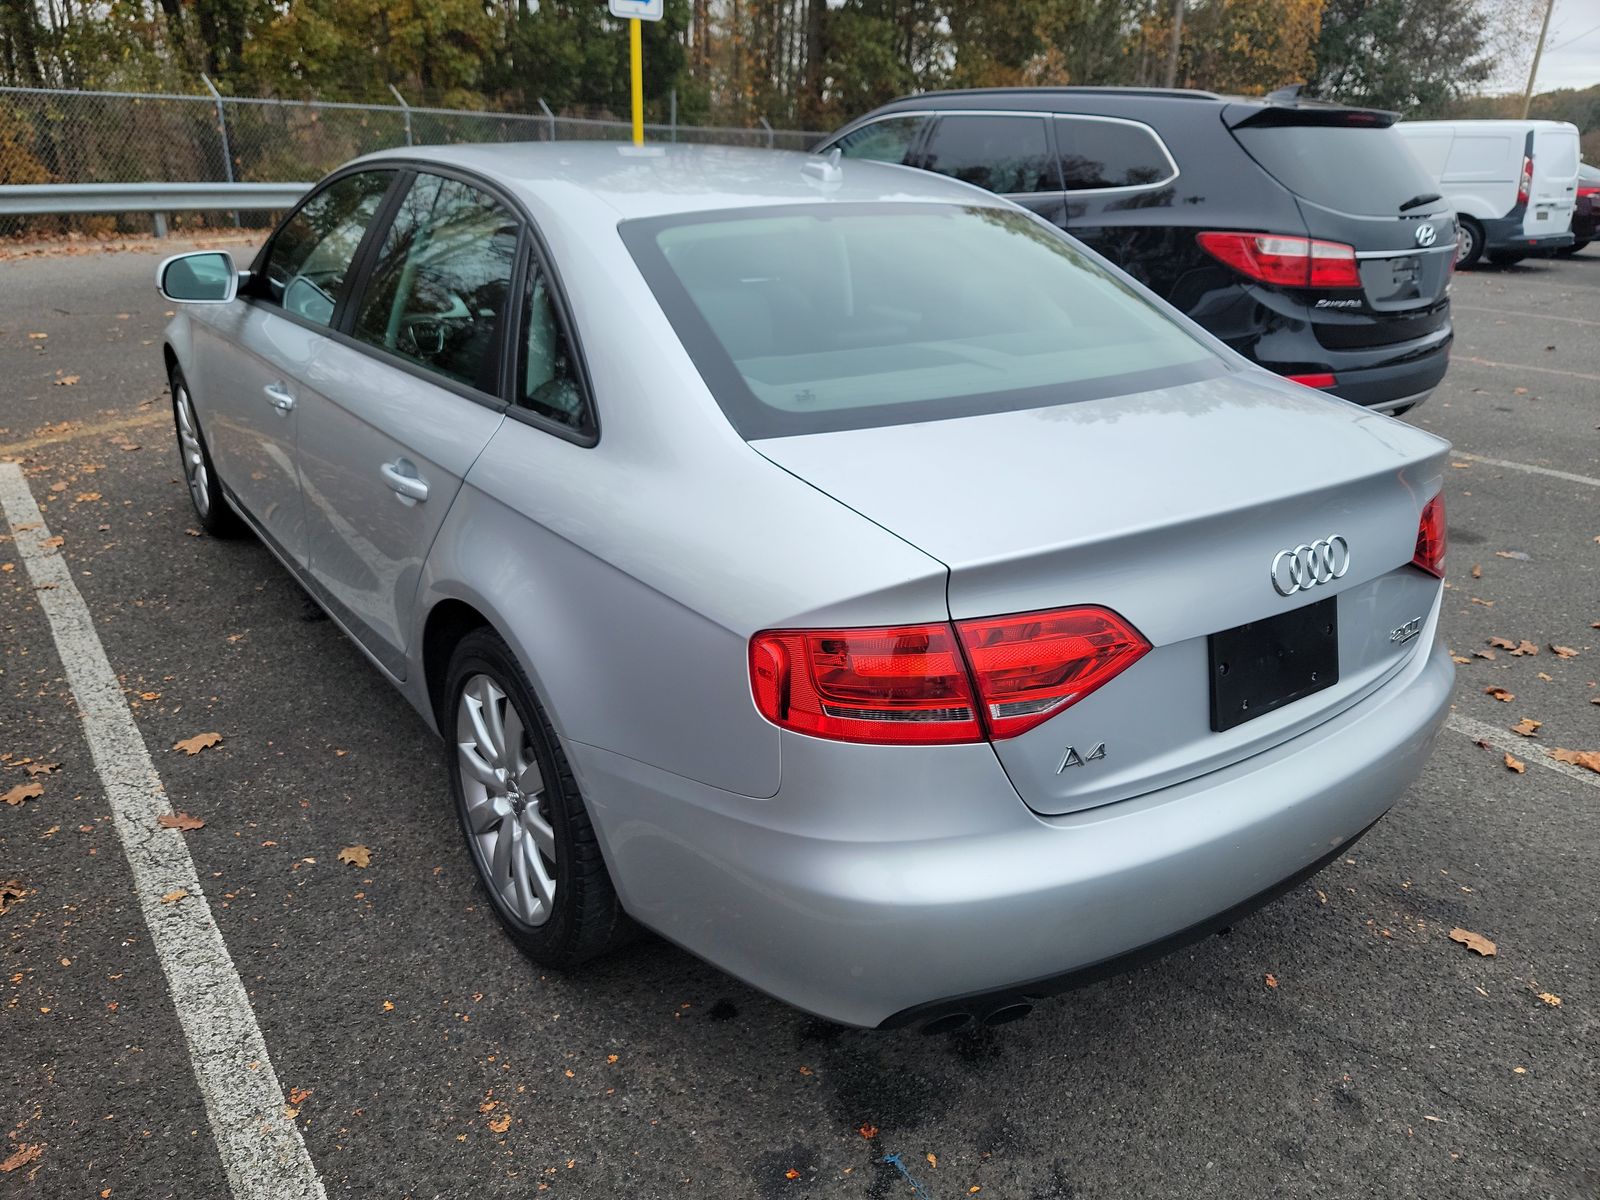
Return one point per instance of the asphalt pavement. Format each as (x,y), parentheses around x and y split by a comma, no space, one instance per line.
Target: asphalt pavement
(1339,1043)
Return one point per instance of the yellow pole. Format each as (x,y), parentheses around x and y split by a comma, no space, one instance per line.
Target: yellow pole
(636,56)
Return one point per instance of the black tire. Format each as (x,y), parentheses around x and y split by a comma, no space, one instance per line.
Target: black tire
(1569,251)
(211,508)
(1469,246)
(1506,258)
(585,919)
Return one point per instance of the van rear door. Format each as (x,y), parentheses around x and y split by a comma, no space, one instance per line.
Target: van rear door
(1553,191)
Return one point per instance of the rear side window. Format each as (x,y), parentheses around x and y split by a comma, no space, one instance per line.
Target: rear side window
(1004,154)
(311,255)
(547,371)
(1110,154)
(889,140)
(440,283)
(1366,170)
(813,318)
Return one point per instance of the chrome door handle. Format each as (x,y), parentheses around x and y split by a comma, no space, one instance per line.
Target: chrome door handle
(400,476)
(279,396)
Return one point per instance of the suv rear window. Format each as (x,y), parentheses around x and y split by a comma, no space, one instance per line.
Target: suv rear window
(1362,170)
(812,318)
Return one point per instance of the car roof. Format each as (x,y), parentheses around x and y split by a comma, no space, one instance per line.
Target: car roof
(659,180)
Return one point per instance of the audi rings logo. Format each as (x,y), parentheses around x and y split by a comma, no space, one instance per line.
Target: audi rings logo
(1426,235)
(1323,561)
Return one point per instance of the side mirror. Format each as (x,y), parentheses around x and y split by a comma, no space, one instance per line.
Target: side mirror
(206,277)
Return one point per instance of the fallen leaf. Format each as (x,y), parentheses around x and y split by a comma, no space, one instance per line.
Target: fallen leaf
(1550,998)
(299,1095)
(1502,643)
(611,1058)
(1272,981)
(1524,649)
(150,696)
(1519,1070)
(791,1173)
(1473,941)
(42,768)
(356,856)
(1516,554)
(1546,678)
(174,896)
(867,1130)
(1489,654)
(199,742)
(1499,693)
(87,496)
(1485,603)
(1516,764)
(50,543)
(66,381)
(1477,570)
(933,1159)
(180,820)
(8,567)
(1563,651)
(23,791)
(39,337)
(388,1006)
(1578,758)
(10,892)
(1460,658)
(1527,727)
(500,1124)
(290,1112)
(59,485)
(29,1151)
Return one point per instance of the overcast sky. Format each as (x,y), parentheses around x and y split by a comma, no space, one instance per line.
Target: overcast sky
(1571,52)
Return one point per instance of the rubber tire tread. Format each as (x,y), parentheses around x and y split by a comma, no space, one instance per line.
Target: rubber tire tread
(588,920)
(221,521)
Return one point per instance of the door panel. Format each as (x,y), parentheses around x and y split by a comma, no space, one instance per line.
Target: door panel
(390,428)
(253,360)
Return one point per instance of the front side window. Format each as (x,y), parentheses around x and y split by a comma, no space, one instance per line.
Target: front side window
(813,318)
(310,258)
(889,140)
(1109,154)
(547,374)
(1004,154)
(440,283)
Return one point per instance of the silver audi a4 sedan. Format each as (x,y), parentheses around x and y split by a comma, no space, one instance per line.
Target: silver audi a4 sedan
(830,567)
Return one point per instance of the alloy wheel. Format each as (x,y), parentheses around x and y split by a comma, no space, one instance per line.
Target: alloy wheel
(195,473)
(507,803)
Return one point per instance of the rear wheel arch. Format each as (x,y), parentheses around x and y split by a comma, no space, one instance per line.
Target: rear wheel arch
(448,622)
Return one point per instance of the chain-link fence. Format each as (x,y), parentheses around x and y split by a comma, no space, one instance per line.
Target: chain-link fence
(49,136)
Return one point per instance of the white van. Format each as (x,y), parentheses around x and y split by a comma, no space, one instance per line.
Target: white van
(1513,183)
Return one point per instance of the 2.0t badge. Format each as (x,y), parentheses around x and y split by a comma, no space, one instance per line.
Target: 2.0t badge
(1307,565)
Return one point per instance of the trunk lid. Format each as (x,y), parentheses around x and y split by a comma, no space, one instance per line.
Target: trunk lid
(1167,507)
(1356,181)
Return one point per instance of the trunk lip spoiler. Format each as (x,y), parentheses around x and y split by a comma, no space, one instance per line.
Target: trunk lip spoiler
(1271,113)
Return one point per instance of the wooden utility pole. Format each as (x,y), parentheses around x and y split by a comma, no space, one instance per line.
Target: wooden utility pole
(1177,39)
(1538,52)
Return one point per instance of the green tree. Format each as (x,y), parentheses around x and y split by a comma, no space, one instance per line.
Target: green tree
(1413,56)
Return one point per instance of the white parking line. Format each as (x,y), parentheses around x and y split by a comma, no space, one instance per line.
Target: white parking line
(1531,470)
(1490,362)
(1512,312)
(1520,748)
(262,1151)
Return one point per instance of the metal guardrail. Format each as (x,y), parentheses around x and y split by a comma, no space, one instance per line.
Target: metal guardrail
(35,199)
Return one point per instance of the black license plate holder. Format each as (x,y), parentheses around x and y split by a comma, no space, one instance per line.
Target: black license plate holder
(1259,667)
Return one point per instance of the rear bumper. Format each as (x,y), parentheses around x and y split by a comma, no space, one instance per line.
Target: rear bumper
(879,931)
(1393,385)
(1506,233)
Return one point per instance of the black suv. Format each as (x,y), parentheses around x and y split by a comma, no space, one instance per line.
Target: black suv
(1303,234)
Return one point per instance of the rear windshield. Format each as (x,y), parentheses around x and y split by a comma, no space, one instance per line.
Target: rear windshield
(811,318)
(1367,171)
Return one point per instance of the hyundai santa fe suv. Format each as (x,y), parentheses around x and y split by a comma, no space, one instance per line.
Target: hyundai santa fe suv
(1303,234)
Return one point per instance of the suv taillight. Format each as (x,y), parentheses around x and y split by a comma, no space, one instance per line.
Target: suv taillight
(1285,261)
(1431,538)
(938,684)
(1525,184)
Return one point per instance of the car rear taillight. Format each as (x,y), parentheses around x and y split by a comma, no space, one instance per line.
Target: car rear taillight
(1431,538)
(1030,666)
(923,684)
(1285,261)
(906,684)
(1525,184)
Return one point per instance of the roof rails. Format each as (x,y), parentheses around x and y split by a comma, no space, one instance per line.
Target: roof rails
(1159,93)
